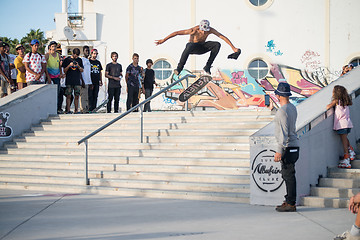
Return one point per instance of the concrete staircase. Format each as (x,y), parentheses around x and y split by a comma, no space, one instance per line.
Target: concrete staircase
(335,190)
(186,155)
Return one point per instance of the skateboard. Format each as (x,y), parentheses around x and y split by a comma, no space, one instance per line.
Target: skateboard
(194,88)
(100,106)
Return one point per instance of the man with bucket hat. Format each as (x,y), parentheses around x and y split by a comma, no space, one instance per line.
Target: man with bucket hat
(287,151)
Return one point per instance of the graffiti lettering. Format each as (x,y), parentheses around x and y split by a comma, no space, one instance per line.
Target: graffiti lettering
(271,47)
(168,100)
(308,55)
(237,78)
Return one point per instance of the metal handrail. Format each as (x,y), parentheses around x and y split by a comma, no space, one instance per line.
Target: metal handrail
(86,138)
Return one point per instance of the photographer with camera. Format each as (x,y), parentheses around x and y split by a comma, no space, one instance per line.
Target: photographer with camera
(73,67)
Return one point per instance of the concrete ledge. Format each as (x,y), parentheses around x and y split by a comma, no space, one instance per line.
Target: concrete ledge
(24,108)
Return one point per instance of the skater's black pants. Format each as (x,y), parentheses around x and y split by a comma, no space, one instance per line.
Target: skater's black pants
(113,93)
(132,97)
(288,160)
(93,93)
(199,48)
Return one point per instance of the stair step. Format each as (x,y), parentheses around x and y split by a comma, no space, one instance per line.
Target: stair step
(128,146)
(161,120)
(138,175)
(151,193)
(127,183)
(136,139)
(331,192)
(126,167)
(136,126)
(339,183)
(147,132)
(229,162)
(343,173)
(130,152)
(321,202)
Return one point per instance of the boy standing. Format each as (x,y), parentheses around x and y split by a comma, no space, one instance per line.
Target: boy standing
(96,79)
(35,65)
(86,77)
(54,70)
(73,68)
(5,73)
(149,82)
(114,73)
(133,74)
(19,65)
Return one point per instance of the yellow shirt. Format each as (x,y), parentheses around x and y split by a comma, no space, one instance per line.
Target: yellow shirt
(18,64)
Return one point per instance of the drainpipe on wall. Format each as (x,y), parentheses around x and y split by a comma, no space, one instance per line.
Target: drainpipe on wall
(81,7)
(327,34)
(64,6)
(193,23)
(131,28)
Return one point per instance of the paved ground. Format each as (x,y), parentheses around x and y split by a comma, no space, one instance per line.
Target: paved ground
(28,215)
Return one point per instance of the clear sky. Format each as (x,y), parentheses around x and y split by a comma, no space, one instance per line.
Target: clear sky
(19,16)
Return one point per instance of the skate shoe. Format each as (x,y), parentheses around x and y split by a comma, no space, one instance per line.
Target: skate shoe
(345,163)
(346,236)
(207,70)
(352,153)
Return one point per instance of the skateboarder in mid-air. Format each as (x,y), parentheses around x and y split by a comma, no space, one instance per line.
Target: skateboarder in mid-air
(198,44)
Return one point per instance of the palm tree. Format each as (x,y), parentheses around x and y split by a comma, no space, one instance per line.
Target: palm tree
(34,34)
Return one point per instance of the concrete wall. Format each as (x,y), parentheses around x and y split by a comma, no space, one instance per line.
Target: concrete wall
(24,108)
(320,146)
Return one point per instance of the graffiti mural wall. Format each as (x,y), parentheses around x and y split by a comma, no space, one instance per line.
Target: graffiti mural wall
(236,88)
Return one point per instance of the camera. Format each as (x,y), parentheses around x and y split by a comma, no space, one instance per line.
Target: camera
(74,62)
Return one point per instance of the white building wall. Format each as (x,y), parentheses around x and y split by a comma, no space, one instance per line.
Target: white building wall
(344,32)
(318,37)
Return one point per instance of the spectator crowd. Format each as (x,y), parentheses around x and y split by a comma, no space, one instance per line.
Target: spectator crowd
(78,78)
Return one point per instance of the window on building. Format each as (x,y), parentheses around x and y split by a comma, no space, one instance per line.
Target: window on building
(258,69)
(163,69)
(355,62)
(258,3)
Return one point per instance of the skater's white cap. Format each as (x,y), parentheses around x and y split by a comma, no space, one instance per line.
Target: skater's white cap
(204,25)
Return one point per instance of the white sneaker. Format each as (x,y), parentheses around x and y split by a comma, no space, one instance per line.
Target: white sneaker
(342,236)
(352,153)
(345,163)
(346,236)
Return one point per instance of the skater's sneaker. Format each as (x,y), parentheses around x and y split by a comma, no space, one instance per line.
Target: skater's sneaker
(285,207)
(207,70)
(352,153)
(345,163)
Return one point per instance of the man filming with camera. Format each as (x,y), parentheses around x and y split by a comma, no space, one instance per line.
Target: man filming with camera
(73,67)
